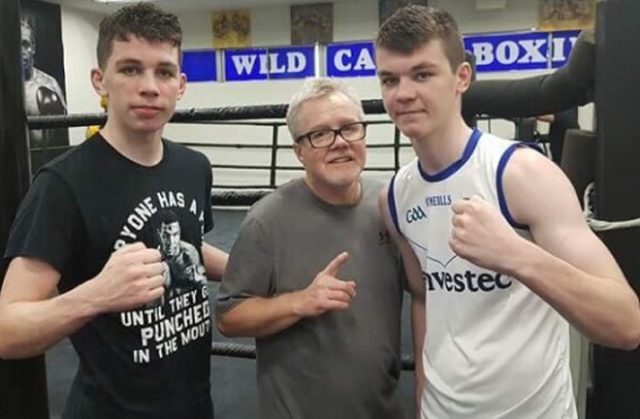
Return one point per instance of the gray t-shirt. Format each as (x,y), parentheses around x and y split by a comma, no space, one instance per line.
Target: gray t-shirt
(342,364)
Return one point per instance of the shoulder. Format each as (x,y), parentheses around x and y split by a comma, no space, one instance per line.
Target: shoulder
(278,199)
(492,142)
(47,183)
(505,156)
(181,151)
(533,173)
(374,193)
(525,161)
(535,187)
(372,188)
(403,183)
(44,79)
(187,161)
(407,170)
(279,203)
(79,160)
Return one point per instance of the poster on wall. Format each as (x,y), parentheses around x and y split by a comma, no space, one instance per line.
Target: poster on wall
(43,73)
(387,7)
(566,14)
(312,23)
(231,28)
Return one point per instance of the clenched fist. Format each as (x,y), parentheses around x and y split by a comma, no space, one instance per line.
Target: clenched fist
(481,234)
(133,276)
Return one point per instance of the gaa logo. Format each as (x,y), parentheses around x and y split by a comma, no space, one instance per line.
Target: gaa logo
(416,214)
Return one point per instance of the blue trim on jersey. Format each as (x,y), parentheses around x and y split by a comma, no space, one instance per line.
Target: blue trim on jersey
(502,164)
(468,151)
(391,201)
(535,146)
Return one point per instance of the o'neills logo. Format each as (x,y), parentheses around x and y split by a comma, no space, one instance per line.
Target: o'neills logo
(465,282)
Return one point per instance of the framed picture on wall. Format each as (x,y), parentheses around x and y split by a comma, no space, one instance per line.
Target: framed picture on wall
(387,7)
(556,15)
(231,28)
(312,23)
(43,74)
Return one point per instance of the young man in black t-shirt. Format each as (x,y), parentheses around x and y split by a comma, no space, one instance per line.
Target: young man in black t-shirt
(89,227)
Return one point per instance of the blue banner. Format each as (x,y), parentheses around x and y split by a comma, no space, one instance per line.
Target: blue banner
(562,43)
(494,52)
(351,60)
(269,63)
(521,51)
(200,65)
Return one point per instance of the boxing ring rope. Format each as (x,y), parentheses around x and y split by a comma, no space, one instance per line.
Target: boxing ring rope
(236,350)
(596,225)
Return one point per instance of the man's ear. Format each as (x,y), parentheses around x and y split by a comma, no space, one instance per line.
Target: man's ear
(298,150)
(464,75)
(183,85)
(97,81)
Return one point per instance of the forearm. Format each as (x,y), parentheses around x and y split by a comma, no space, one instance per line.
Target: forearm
(215,261)
(259,317)
(605,309)
(29,328)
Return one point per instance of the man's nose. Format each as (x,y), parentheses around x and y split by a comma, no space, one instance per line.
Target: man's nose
(149,84)
(340,141)
(406,90)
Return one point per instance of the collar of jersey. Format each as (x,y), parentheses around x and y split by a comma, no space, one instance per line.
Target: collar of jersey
(451,169)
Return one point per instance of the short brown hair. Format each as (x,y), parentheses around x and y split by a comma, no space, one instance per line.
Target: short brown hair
(143,20)
(412,26)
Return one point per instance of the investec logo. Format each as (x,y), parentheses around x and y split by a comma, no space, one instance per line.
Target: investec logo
(468,281)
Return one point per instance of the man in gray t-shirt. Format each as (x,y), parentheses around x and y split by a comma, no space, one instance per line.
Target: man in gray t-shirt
(314,278)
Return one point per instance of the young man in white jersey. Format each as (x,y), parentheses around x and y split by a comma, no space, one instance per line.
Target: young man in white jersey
(493,238)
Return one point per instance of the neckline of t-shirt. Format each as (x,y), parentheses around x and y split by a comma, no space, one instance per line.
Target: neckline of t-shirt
(332,207)
(137,166)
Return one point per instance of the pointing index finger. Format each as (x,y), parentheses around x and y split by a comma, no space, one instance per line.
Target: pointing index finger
(334,266)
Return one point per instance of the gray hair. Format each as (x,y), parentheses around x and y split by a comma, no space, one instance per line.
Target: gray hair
(314,89)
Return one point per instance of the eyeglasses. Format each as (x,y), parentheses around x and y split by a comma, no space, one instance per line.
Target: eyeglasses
(325,137)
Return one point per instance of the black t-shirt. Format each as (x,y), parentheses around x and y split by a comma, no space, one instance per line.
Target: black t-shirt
(153,361)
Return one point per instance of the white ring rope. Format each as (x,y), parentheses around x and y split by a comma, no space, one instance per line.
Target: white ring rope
(601,225)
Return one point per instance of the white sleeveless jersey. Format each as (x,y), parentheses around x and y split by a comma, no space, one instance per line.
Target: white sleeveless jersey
(493,348)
